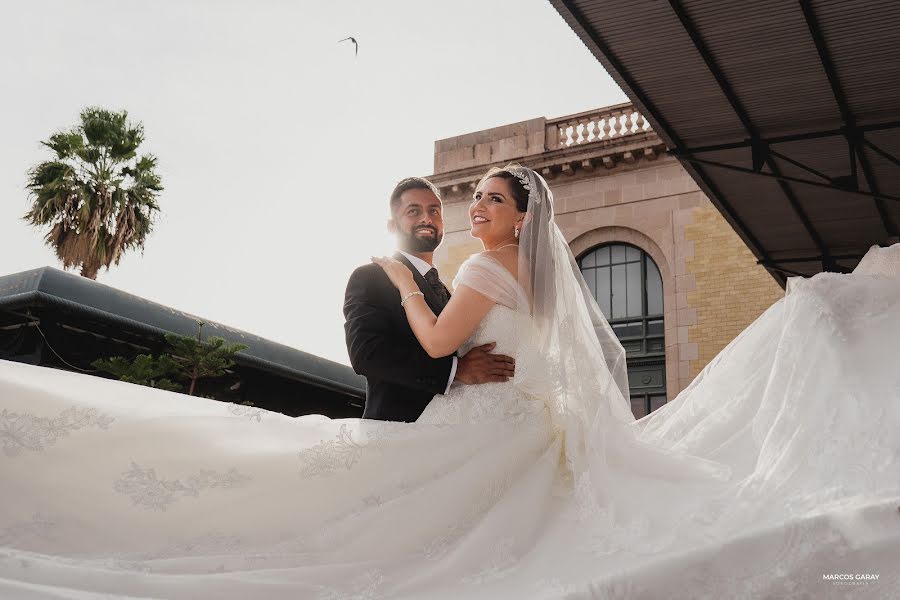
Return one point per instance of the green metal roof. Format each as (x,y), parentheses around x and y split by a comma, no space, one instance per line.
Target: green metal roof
(78,295)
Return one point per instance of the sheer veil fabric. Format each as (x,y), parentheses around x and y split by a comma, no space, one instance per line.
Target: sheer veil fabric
(778,464)
(568,338)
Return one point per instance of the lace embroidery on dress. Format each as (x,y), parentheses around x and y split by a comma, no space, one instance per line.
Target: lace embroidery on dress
(250,412)
(214,542)
(327,457)
(552,589)
(773,571)
(440,545)
(502,562)
(343,452)
(364,587)
(39,526)
(617,586)
(25,431)
(146,489)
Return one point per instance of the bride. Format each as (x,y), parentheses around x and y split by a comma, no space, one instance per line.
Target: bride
(776,473)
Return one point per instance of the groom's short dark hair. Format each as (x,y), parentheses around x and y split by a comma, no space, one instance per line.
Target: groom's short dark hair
(411,183)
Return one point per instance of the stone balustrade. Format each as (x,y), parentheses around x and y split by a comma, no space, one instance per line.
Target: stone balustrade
(610,123)
(612,137)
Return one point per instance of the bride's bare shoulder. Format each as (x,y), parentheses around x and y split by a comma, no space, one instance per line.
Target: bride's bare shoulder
(507,258)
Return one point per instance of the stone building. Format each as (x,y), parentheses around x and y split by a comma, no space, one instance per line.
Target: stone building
(673,278)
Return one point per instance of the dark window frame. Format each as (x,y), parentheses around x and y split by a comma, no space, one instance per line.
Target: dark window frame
(645,351)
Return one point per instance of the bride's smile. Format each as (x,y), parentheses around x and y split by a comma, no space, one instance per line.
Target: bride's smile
(496,212)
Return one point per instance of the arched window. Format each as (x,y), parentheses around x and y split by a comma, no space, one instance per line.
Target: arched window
(626,284)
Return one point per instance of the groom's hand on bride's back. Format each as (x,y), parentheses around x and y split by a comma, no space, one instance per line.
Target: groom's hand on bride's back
(479,366)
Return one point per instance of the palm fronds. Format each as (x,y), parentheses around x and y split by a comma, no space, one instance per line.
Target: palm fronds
(97,195)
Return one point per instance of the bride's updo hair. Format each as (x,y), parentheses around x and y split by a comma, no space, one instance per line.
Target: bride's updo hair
(520,194)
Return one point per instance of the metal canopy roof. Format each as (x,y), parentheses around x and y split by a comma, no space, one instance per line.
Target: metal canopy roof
(77,295)
(785,112)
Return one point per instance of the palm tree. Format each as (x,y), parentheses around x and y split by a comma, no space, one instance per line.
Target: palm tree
(97,195)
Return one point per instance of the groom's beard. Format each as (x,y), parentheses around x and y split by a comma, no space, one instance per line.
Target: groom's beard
(413,243)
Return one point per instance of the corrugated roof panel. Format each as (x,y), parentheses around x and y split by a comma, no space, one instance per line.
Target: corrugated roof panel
(821,205)
(829,156)
(673,76)
(735,33)
(887,173)
(768,56)
(843,234)
(761,208)
(862,37)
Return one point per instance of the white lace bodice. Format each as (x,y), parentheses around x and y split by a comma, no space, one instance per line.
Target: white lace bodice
(502,326)
(490,401)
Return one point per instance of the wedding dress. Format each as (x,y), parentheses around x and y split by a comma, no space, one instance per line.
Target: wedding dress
(111,489)
(776,469)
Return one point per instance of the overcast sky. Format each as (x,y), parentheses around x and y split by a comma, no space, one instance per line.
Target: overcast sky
(278,147)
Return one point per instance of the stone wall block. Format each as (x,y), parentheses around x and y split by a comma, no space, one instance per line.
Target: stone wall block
(646,176)
(535,143)
(483,154)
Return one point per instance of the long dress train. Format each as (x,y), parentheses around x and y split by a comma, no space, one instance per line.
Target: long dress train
(114,489)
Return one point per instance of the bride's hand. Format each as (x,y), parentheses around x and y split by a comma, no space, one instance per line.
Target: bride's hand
(397,272)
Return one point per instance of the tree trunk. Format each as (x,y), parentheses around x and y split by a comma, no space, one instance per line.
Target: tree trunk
(193,382)
(89,271)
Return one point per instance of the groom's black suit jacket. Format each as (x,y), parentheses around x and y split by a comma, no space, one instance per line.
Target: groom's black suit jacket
(401,377)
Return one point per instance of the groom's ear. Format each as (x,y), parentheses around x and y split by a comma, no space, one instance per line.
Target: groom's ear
(391,225)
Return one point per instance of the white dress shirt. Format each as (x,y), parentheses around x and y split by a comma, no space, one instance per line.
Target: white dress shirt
(423,267)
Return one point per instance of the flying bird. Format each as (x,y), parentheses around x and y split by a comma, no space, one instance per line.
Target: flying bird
(355,44)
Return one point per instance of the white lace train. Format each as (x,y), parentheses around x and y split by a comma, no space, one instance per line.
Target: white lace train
(110,488)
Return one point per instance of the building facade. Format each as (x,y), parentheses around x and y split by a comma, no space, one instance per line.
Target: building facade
(671,275)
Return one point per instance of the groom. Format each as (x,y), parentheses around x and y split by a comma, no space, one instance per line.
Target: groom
(401,377)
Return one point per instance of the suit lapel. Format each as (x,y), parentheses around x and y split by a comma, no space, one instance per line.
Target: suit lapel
(430,297)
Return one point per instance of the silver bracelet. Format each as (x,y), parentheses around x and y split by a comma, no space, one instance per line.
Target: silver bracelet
(408,296)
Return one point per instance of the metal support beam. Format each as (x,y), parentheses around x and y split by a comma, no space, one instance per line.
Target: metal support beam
(834,267)
(827,64)
(772,267)
(853,136)
(688,24)
(882,153)
(813,259)
(759,152)
(889,225)
(744,117)
(797,137)
(797,164)
(787,178)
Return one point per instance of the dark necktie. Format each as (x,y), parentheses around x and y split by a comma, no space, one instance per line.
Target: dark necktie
(437,287)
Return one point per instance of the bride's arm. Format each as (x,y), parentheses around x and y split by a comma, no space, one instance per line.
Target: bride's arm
(442,335)
(439,336)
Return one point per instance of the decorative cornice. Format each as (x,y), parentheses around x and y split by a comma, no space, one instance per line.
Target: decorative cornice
(591,143)
(588,160)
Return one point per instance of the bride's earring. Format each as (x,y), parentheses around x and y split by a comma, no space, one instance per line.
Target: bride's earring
(517,232)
